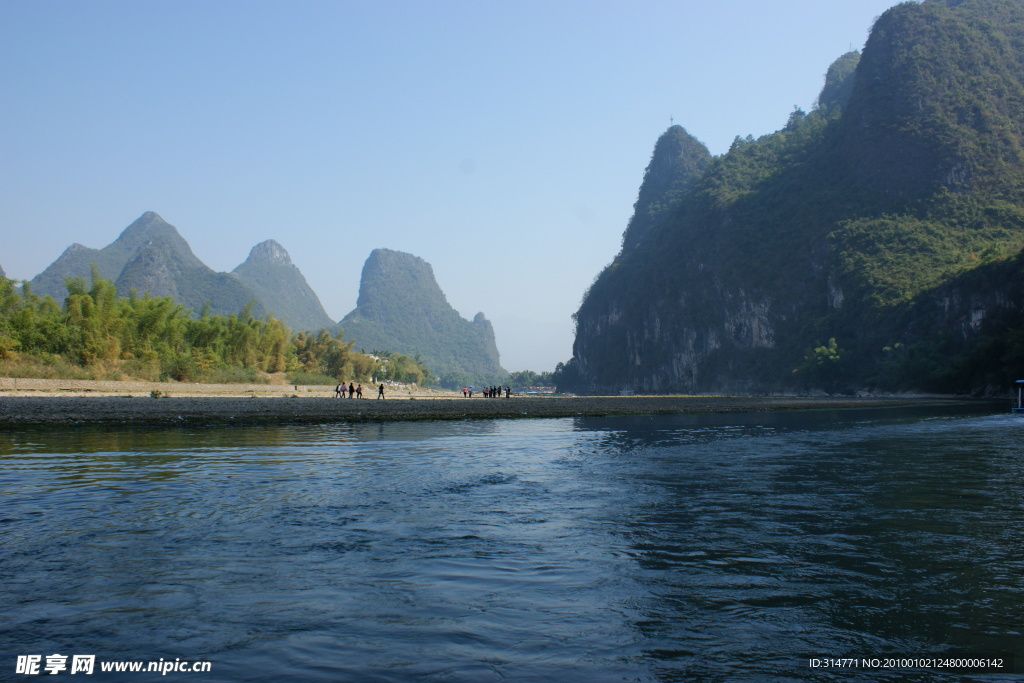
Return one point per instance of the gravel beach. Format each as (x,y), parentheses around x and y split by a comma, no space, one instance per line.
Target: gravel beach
(81,402)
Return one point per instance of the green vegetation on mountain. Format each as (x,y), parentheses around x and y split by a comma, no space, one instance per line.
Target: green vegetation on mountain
(401,307)
(874,242)
(97,334)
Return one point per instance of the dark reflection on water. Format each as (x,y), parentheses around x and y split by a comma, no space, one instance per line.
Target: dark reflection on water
(643,548)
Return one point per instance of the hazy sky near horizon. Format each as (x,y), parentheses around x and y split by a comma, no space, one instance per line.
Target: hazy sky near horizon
(504,143)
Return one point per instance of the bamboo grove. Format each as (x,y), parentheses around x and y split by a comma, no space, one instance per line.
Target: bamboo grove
(100,335)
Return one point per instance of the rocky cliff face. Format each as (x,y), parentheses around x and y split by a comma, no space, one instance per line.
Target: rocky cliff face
(870,244)
(685,342)
(401,308)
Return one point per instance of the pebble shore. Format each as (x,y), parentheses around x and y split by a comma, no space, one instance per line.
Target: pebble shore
(130,403)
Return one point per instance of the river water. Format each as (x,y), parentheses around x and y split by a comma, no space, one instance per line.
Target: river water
(719,548)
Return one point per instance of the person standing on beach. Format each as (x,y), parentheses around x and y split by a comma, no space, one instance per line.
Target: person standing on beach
(351,390)
(337,391)
(359,391)
(380,391)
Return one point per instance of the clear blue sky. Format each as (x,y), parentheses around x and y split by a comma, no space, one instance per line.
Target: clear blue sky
(504,143)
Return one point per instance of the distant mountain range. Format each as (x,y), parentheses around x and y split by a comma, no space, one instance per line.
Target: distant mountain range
(151,257)
(401,308)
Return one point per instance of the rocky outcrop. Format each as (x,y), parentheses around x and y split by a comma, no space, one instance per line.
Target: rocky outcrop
(268,253)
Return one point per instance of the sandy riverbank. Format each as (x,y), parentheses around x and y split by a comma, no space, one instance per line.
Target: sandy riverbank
(230,404)
(10,386)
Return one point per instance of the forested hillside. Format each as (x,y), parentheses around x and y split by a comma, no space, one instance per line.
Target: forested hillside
(873,243)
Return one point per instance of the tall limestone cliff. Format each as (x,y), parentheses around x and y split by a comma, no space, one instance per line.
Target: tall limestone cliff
(401,308)
(873,243)
(281,288)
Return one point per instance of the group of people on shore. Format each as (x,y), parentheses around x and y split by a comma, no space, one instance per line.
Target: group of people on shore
(488,392)
(354,391)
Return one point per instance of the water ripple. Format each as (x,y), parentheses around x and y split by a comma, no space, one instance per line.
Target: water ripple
(642,548)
